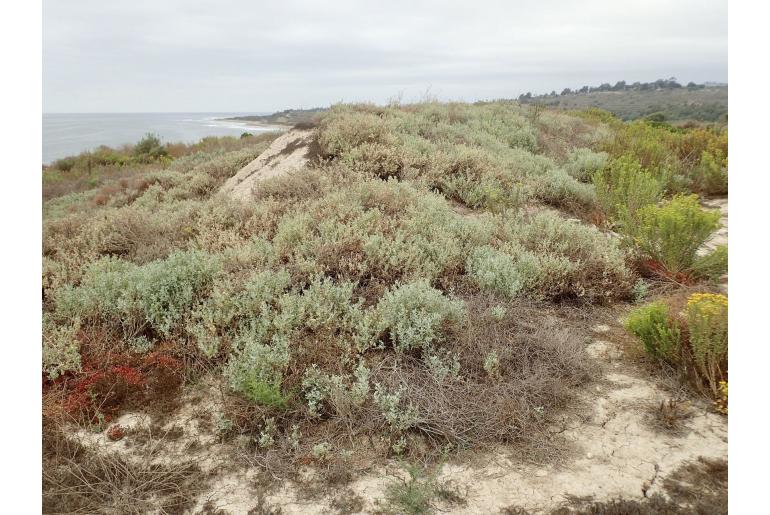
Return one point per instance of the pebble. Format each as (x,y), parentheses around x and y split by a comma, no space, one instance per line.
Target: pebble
(541,473)
(601,328)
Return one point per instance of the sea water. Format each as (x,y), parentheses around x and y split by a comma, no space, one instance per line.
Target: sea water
(69,134)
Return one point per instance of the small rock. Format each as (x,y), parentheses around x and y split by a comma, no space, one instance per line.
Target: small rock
(601,328)
(589,456)
(541,473)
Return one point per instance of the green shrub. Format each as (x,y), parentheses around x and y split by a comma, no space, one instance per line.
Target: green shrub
(671,234)
(500,272)
(557,188)
(149,148)
(712,265)
(108,294)
(126,296)
(624,187)
(659,333)
(707,326)
(584,163)
(231,309)
(168,288)
(415,314)
(569,259)
(711,174)
(333,392)
(256,368)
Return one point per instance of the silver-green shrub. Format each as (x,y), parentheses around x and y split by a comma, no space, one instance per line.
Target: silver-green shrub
(61,350)
(414,315)
(583,163)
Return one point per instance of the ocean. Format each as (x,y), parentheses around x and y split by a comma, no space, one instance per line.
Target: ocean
(68,134)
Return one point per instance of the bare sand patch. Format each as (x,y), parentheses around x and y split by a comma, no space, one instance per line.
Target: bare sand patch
(288,153)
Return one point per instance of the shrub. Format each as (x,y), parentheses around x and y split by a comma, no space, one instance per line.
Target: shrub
(61,350)
(107,294)
(399,417)
(659,333)
(624,187)
(711,265)
(584,163)
(256,368)
(568,259)
(150,148)
(415,314)
(124,296)
(559,189)
(711,174)
(670,235)
(707,325)
(169,288)
(497,271)
(338,393)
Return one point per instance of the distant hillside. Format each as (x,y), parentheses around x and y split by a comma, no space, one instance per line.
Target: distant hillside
(288,117)
(707,104)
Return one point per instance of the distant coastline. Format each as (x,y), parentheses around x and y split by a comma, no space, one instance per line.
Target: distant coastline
(67,134)
(287,118)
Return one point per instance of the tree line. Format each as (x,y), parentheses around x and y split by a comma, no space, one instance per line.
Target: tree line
(621,85)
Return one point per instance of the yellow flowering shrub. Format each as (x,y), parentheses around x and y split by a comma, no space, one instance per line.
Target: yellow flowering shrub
(721,402)
(707,324)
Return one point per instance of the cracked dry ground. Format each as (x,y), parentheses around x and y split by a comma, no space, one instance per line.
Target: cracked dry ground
(614,451)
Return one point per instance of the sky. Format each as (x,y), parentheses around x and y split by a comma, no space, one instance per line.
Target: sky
(254,56)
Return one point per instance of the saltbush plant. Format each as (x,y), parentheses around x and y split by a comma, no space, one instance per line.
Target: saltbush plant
(256,368)
(584,163)
(397,286)
(414,316)
(127,297)
(61,349)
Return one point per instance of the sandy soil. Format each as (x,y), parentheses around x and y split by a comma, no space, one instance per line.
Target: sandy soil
(289,152)
(616,452)
(720,236)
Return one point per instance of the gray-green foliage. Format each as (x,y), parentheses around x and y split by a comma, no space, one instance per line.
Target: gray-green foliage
(583,163)
(337,393)
(414,315)
(61,350)
(501,272)
(556,258)
(231,309)
(129,297)
(483,156)
(256,367)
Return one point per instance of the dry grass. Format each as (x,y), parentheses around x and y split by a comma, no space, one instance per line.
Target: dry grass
(81,480)
(670,416)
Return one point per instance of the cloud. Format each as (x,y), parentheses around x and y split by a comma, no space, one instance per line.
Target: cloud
(242,55)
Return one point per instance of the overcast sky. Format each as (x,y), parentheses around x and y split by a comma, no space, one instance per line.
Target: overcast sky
(248,55)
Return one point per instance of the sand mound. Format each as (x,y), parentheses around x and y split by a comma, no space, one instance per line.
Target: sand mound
(289,152)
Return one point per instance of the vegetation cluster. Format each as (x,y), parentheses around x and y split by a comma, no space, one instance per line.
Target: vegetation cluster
(410,294)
